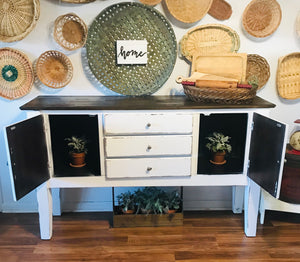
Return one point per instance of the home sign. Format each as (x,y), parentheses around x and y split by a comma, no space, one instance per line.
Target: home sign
(130,52)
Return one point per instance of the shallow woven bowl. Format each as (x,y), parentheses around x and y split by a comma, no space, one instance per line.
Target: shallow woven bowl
(210,39)
(18,18)
(54,69)
(16,74)
(261,18)
(288,76)
(257,66)
(70,32)
(188,11)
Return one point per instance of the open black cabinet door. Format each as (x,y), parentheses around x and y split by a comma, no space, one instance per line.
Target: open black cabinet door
(28,155)
(266,155)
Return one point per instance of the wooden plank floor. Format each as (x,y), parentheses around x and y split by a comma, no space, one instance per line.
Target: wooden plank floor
(205,236)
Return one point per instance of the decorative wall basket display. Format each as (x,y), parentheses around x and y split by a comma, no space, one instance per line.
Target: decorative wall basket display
(16,73)
(188,11)
(258,66)
(131,21)
(211,39)
(77,1)
(288,76)
(54,69)
(18,18)
(261,18)
(150,2)
(220,9)
(70,31)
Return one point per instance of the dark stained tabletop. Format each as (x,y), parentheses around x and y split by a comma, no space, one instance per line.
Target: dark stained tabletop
(131,103)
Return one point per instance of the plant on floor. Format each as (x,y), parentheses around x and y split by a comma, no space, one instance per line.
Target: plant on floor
(173,202)
(127,202)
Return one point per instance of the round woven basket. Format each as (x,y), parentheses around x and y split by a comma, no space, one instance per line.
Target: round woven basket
(77,1)
(150,2)
(220,9)
(220,95)
(18,18)
(188,11)
(16,74)
(257,66)
(261,18)
(210,39)
(70,32)
(288,77)
(54,69)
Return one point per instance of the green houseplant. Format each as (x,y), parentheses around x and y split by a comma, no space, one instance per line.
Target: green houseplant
(173,202)
(77,150)
(219,145)
(127,202)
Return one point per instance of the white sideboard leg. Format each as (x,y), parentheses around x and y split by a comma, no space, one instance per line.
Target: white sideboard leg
(262,209)
(252,194)
(44,199)
(237,199)
(56,202)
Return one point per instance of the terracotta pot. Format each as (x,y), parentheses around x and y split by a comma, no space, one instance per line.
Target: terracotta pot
(219,158)
(77,159)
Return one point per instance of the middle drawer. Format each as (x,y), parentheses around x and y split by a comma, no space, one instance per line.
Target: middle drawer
(127,146)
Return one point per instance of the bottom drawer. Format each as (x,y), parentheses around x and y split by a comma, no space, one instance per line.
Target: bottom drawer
(148,167)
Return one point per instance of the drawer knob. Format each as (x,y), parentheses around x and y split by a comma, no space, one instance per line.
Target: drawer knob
(148,125)
(149,169)
(149,148)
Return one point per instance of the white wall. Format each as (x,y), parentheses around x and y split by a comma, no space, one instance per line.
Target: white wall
(282,42)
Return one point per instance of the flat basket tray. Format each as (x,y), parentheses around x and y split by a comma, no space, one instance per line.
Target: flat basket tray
(70,32)
(188,11)
(288,76)
(54,69)
(261,18)
(211,39)
(18,18)
(16,74)
(220,95)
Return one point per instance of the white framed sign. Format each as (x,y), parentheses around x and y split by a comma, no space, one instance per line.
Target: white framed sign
(131,52)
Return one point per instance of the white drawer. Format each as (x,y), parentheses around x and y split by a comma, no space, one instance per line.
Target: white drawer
(120,146)
(143,123)
(148,167)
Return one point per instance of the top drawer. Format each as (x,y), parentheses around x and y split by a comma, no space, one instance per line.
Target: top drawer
(146,123)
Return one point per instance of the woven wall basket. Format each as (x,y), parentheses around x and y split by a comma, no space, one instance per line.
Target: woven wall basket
(220,9)
(211,39)
(188,11)
(18,18)
(257,66)
(288,76)
(261,18)
(150,2)
(54,69)
(16,74)
(70,32)
(77,1)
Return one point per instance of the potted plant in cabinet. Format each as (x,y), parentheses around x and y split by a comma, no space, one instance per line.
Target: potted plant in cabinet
(77,150)
(218,145)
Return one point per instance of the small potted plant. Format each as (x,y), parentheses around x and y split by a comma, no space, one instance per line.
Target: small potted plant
(218,144)
(127,202)
(172,202)
(77,150)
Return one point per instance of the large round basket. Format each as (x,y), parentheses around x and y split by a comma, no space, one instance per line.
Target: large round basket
(16,74)
(258,67)
(54,69)
(188,11)
(220,95)
(211,39)
(70,32)
(288,77)
(261,18)
(18,18)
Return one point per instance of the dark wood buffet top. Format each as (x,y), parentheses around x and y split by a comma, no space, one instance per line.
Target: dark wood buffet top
(131,103)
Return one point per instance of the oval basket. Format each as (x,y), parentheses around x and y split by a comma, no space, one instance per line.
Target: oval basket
(70,32)
(257,66)
(16,74)
(54,69)
(288,76)
(220,9)
(261,18)
(18,18)
(211,39)
(188,11)
(220,95)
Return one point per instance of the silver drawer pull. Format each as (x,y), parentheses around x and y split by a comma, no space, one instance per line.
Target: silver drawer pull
(149,169)
(148,125)
(149,148)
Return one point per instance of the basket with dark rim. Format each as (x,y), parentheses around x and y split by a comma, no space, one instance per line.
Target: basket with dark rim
(220,95)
